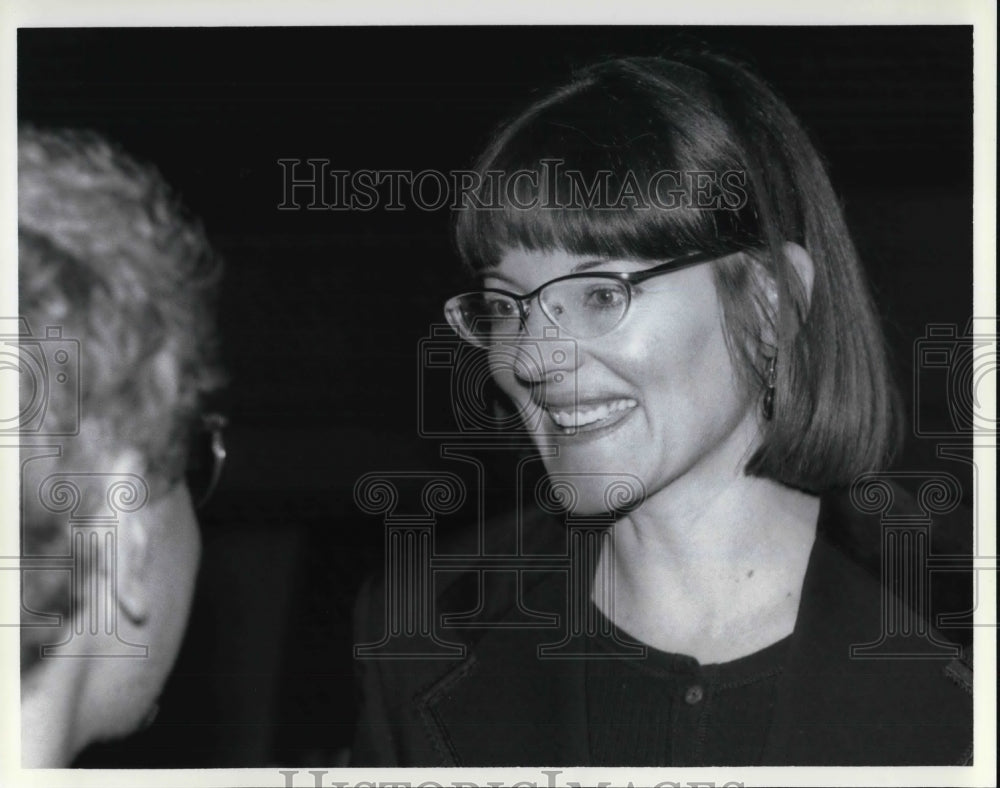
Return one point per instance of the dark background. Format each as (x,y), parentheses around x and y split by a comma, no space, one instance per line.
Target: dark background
(322,312)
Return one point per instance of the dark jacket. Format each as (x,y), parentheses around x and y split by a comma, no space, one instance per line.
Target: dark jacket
(499,705)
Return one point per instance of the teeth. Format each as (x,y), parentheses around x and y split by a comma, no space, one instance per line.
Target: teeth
(581,417)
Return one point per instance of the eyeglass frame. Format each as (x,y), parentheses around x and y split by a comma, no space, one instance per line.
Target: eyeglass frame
(628,278)
(214,423)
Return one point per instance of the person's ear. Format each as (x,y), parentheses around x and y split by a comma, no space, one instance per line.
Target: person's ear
(132,551)
(767,289)
(133,592)
(802,262)
(765,297)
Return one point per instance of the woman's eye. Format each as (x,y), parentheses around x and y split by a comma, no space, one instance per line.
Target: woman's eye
(604,298)
(499,307)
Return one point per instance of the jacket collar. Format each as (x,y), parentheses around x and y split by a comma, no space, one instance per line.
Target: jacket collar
(850,695)
(503,705)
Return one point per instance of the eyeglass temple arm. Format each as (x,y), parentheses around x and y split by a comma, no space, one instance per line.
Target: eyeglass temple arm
(215,423)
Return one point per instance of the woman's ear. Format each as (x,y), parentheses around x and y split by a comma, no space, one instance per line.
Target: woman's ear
(802,262)
(765,303)
(767,290)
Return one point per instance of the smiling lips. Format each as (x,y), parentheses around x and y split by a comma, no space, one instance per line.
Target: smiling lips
(581,416)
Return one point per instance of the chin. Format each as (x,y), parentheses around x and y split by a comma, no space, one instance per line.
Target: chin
(579,492)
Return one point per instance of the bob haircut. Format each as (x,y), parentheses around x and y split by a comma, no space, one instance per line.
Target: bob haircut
(652,158)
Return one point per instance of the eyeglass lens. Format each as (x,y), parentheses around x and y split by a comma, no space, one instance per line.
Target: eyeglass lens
(582,308)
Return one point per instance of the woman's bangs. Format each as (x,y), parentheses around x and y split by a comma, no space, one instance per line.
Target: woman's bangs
(627,210)
(614,182)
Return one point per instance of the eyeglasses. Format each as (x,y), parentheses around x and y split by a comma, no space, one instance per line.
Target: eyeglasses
(206,456)
(582,306)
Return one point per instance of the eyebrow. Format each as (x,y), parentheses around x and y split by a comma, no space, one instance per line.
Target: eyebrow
(586,265)
(580,267)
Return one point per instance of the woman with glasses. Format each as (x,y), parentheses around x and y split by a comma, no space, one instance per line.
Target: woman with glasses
(664,276)
(117,355)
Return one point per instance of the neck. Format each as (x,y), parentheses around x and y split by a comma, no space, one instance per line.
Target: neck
(737,519)
(714,572)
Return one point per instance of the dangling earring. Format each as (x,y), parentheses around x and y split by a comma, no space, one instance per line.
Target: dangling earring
(768,404)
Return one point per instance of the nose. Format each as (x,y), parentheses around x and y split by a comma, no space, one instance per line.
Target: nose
(535,322)
(545,357)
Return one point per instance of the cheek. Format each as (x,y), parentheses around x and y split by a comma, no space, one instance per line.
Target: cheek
(178,555)
(189,557)
(681,346)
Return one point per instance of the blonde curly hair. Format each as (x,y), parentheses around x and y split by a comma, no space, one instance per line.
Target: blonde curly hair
(108,253)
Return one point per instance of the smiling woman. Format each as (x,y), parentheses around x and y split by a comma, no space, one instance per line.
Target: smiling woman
(632,399)
(724,356)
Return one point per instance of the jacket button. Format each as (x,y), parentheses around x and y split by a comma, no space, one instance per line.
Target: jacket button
(694,695)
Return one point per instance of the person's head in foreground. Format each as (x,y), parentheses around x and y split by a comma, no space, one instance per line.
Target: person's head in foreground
(108,256)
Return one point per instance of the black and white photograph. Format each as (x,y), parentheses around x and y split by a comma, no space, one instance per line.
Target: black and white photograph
(501,402)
